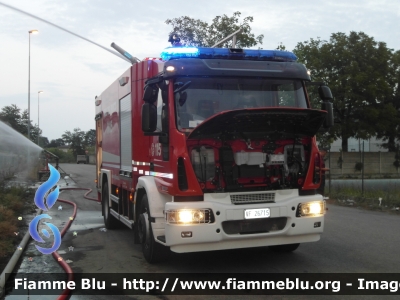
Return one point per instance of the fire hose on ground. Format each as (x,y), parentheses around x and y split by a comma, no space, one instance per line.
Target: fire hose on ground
(66,294)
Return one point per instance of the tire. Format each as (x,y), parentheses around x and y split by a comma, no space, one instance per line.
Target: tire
(153,252)
(109,220)
(284,248)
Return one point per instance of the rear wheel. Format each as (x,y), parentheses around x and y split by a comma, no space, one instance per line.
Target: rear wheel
(109,220)
(284,248)
(153,252)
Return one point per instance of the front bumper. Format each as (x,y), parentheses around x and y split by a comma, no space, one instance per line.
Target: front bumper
(230,230)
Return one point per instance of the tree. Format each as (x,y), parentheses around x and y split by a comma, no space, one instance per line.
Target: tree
(75,140)
(356,68)
(194,32)
(281,47)
(18,120)
(392,132)
(12,115)
(79,141)
(43,142)
(90,138)
(56,143)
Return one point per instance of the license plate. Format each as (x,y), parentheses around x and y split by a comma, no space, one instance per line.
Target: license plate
(257,213)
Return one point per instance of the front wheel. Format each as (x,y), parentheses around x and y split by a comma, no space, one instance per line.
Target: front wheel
(284,248)
(153,252)
(109,220)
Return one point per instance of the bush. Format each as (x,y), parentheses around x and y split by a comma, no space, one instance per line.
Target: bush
(358,166)
(65,157)
(6,247)
(12,203)
(7,228)
(390,197)
(6,214)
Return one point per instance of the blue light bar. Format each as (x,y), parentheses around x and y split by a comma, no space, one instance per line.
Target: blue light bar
(227,53)
(179,52)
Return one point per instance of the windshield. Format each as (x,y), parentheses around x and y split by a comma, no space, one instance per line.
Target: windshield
(206,97)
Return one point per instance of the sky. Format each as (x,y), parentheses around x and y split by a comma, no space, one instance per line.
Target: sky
(71,71)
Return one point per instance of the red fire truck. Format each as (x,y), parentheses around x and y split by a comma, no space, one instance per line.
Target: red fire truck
(211,148)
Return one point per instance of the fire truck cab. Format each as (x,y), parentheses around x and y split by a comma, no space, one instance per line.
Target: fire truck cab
(211,149)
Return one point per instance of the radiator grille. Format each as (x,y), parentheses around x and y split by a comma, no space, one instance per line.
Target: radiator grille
(254,226)
(253,198)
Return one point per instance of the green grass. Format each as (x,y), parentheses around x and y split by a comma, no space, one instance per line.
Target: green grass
(13,201)
(369,199)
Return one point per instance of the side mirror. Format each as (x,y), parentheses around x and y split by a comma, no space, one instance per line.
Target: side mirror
(329,120)
(149,117)
(150,94)
(163,85)
(325,93)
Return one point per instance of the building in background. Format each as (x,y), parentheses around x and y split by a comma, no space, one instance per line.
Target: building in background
(355,145)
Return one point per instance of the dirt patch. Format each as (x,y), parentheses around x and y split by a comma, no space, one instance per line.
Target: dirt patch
(17,209)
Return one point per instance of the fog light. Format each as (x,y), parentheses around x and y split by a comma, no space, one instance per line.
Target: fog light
(313,208)
(186,234)
(188,216)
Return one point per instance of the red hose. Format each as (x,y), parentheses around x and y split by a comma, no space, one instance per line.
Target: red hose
(86,194)
(66,294)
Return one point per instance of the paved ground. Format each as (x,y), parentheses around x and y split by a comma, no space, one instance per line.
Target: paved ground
(354,241)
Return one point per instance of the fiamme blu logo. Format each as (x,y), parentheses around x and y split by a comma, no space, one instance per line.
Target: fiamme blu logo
(40,197)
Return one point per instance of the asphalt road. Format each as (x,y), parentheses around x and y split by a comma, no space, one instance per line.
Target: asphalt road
(354,241)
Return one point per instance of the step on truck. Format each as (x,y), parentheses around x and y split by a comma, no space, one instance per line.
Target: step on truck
(212,148)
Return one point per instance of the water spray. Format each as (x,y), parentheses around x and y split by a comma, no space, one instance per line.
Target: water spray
(17,153)
(66,30)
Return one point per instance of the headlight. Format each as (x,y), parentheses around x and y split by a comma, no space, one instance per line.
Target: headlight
(188,216)
(313,208)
